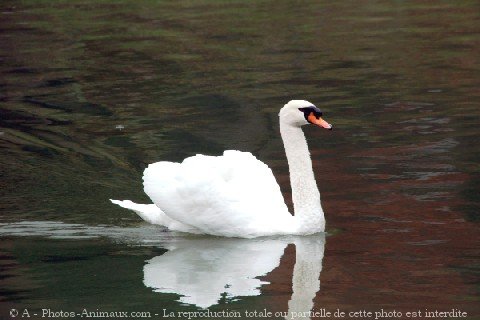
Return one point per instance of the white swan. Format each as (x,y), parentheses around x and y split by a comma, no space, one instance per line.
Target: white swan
(236,195)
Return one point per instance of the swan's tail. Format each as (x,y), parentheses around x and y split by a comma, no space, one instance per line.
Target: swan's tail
(152,214)
(148,212)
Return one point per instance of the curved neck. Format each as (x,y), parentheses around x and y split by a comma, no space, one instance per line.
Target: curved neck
(305,195)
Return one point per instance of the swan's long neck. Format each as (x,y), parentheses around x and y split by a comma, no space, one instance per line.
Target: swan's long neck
(305,195)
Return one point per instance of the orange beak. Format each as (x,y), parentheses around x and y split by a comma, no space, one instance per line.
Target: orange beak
(319,122)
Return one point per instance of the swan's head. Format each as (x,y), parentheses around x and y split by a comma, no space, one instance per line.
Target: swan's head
(300,112)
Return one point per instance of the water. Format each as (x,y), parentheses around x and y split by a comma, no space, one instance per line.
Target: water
(90,93)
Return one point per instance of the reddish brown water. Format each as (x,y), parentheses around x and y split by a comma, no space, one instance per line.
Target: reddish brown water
(90,93)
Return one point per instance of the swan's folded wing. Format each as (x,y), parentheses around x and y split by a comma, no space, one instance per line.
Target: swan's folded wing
(230,195)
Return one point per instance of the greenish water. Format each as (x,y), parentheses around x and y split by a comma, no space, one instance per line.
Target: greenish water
(92,92)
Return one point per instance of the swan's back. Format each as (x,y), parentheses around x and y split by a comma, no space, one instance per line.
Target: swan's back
(230,195)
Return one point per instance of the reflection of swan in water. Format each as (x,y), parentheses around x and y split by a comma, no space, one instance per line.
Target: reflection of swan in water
(201,270)
(306,275)
(204,270)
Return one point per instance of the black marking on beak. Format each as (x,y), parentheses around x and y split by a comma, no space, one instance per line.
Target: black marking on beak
(308,110)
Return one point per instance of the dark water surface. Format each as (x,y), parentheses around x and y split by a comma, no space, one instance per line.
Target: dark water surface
(91,92)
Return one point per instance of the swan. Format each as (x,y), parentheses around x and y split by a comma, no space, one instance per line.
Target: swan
(236,195)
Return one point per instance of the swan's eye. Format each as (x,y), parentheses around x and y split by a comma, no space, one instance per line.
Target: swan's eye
(308,110)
